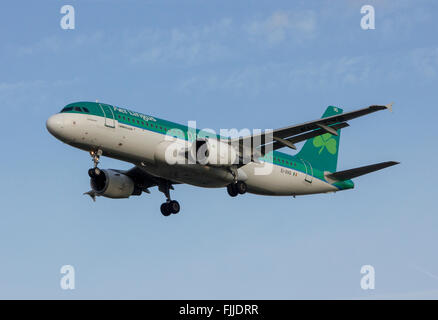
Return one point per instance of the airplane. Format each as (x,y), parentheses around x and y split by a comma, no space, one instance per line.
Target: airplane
(165,154)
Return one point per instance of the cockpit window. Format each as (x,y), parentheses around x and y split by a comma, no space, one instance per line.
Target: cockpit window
(67,109)
(86,110)
(78,109)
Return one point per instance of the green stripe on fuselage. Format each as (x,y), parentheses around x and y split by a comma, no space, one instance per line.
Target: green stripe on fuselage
(154,124)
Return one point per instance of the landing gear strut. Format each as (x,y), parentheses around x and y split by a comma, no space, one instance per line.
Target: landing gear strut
(239,187)
(95,155)
(170,206)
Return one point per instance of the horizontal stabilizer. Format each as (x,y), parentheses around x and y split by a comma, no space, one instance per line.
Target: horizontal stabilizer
(356,172)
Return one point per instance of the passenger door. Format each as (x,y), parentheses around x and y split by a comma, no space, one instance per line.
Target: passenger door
(309,171)
(108,113)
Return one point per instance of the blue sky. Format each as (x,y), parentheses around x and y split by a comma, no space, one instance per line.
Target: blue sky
(225,64)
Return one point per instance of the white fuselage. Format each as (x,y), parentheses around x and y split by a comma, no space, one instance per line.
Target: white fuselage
(139,146)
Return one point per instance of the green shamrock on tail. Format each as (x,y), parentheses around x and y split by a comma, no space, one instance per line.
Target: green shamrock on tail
(325,141)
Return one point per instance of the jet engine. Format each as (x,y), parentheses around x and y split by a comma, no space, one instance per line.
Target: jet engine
(112,184)
(213,152)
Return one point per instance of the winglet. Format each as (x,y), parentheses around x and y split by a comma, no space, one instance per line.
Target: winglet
(389,106)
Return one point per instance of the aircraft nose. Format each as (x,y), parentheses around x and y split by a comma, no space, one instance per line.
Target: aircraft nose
(55,124)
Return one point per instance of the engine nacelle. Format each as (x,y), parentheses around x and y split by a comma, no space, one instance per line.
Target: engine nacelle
(112,184)
(170,153)
(203,151)
(214,152)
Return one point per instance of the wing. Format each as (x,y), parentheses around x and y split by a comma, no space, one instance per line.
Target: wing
(280,143)
(143,179)
(287,136)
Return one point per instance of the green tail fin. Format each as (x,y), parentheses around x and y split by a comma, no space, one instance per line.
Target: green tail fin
(322,151)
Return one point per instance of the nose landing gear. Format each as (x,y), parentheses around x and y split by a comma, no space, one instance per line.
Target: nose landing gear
(95,155)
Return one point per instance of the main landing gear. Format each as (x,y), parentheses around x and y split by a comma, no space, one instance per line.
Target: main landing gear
(236,188)
(170,206)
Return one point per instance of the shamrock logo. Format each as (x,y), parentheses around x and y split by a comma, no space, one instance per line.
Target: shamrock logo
(325,141)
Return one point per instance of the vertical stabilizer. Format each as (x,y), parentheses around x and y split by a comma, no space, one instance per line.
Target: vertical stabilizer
(322,151)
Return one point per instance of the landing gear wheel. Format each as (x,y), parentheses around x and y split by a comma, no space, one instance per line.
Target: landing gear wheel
(173,206)
(165,209)
(170,206)
(232,190)
(241,187)
(94,172)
